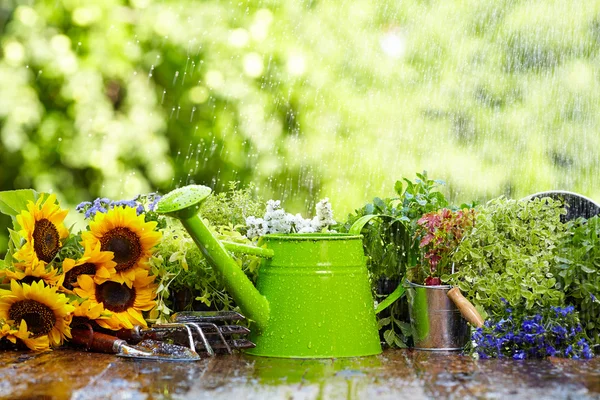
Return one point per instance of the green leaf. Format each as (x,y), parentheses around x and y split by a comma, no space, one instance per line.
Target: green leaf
(398,187)
(405,328)
(13,202)
(379,203)
(399,343)
(389,336)
(588,270)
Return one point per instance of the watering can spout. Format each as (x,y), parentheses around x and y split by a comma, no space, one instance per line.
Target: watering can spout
(183,204)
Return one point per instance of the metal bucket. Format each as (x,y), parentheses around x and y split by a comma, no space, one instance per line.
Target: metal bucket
(436,322)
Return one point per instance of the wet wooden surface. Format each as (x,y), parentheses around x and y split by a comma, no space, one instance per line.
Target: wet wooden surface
(396,374)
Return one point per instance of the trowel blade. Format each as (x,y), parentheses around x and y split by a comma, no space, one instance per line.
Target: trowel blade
(156,350)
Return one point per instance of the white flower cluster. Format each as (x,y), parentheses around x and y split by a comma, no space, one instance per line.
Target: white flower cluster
(276,220)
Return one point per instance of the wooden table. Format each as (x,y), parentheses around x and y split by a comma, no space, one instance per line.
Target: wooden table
(395,374)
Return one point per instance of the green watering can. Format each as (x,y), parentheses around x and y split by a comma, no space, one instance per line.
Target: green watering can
(312,298)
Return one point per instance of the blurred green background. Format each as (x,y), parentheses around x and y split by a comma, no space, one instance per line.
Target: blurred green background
(307,99)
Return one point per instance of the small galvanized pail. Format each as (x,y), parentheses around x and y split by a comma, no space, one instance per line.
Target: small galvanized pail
(435,320)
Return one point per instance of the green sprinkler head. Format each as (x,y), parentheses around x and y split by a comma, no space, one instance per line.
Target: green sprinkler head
(184,202)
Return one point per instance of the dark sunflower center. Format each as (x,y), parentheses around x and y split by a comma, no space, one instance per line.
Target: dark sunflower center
(125,245)
(31,279)
(39,317)
(115,296)
(45,240)
(72,274)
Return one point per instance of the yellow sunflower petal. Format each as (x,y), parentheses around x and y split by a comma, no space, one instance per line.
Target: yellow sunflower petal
(136,316)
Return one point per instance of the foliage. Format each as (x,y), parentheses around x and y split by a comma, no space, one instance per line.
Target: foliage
(233,206)
(517,333)
(440,232)
(184,271)
(577,269)
(389,238)
(509,255)
(182,268)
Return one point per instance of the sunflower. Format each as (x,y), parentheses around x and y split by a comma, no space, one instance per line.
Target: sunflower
(28,274)
(43,228)
(45,311)
(93,262)
(126,303)
(88,313)
(128,236)
(40,343)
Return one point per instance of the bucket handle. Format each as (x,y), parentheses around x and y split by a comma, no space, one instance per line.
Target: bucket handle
(355,229)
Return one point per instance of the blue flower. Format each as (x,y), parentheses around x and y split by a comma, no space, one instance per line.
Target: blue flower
(90,212)
(140,209)
(532,326)
(124,203)
(155,200)
(101,201)
(550,350)
(83,205)
(520,355)
(563,311)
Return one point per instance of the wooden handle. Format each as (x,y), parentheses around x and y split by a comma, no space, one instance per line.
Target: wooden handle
(465,307)
(96,341)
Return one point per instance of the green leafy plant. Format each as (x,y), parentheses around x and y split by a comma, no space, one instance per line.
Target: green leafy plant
(577,269)
(186,279)
(232,207)
(440,233)
(388,226)
(509,254)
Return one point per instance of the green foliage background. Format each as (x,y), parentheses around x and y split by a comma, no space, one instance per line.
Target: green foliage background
(306,99)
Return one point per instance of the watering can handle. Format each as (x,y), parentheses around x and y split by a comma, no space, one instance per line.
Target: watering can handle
(355,229)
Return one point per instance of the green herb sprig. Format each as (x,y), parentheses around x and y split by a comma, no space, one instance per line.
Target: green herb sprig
(577,269)
(509,254)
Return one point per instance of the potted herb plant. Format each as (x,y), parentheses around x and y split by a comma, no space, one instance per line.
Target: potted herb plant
(388,227)
(435,320)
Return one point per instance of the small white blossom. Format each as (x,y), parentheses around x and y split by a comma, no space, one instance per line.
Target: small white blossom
(256,227)
(273,205)
(276,220)
(303,225)
(324,217)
